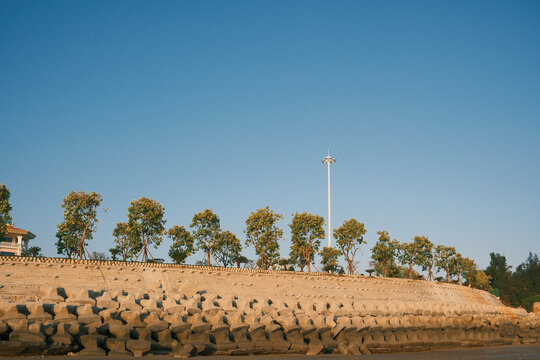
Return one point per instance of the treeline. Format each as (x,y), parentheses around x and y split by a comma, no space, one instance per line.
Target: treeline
(515,288)
(394,259)
(144,228)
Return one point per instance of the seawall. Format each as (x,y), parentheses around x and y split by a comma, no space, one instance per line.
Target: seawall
(235,311)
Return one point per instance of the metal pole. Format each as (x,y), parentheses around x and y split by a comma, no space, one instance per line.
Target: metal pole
(329,160)
(329,212)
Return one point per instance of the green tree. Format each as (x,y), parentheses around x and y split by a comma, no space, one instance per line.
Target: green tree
(445,259)
(407,256)
(98,256)
(242,260)
(124,243)
(329,260)
(5,210)
(384,251)
(349,237)
(206,230)
(482,281)
(524,286)
(285,264)
(500,273)
(307,232)
(146,225)
(79,225)
(182,246)
(114,253)
(458,267)
(34,251)
(228,249)
(424,256)
(468,269)
(263,233)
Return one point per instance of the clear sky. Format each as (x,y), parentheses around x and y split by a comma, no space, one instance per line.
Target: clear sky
(432,109)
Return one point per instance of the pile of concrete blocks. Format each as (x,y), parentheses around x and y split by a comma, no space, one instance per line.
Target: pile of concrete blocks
(192,321)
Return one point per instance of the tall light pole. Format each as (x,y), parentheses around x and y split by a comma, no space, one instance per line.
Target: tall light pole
(329,160)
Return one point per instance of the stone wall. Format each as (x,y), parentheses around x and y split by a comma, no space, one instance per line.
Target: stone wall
(55,306)
(23,279)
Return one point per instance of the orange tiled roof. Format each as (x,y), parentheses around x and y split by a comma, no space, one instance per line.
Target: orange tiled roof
(13,230)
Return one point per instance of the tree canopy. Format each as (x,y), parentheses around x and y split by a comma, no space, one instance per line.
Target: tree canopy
(206,228)
(329,260)
(263,234)
(384,251)
(146,225)
(349,237)
(307,232)
(5,210)
(79,225)
(182,246)
(425,257)
(228,249)
(445,259)
(123,241)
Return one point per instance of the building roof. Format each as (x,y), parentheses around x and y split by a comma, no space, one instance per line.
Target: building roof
(17,231)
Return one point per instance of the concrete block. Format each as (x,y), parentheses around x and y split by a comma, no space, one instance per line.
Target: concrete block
(92,345)
(184,350)
(63,313)
(86,314)
(105,301)
(50,295)
(138,347)
(116,347)
(79,297)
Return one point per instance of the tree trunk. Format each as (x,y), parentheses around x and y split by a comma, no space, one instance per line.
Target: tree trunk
(350,264)
(385,270)
(447,275)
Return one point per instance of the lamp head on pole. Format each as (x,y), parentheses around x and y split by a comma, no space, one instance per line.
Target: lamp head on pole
(328,160)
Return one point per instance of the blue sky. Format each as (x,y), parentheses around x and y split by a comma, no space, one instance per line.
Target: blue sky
(431,108)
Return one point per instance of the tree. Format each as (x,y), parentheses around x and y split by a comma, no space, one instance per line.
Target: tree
(34,251)
(458,267)
(79,225)
(307,232)
(370,271)
(241,260)
(124,244)
(99,256)
(445,259)
(146,225)
(424,256)
(384,251)
(482,281)
(206,229)
(228,249)
(499,271)
(285,264)
(468,269)
(5,210)
(349,237)
(524,285)
(329,260)
(182,246)
(114,253)
(263,233)
(407,256)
